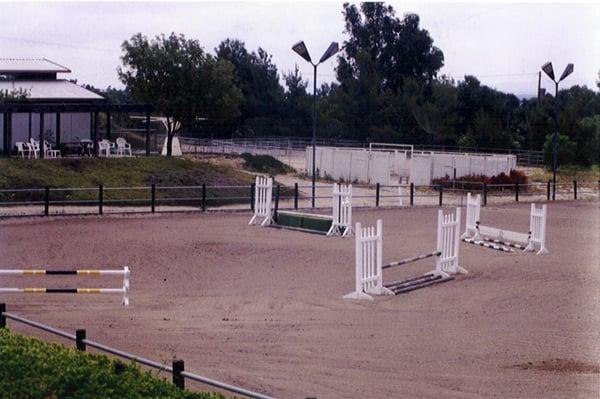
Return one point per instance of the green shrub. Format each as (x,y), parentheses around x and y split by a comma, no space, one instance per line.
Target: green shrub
(566,150)
(265,164)
(30,368)
(475,182)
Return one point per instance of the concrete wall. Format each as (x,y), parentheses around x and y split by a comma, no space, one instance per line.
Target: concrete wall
(388,167)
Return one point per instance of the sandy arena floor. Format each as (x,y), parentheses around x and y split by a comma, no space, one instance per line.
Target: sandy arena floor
(262,307)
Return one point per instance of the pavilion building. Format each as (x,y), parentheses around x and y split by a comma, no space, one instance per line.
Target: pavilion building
(52,109)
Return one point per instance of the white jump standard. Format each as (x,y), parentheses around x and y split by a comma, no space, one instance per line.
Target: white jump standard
(84,272)
(369,260)
(262,201)
(505,240)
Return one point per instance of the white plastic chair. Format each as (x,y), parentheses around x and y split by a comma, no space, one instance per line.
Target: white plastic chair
(49,152)
(123,147)
(34,147)
(23,149)
(105,147)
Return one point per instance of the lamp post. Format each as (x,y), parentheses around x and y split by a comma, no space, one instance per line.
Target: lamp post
(549,71)
(302,51)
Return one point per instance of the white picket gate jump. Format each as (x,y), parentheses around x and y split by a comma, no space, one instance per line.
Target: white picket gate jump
(82,272)
(477,233)
(342,210)
(369,256)
(263,200)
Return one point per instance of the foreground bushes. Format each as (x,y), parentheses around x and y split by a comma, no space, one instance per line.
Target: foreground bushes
(30,368)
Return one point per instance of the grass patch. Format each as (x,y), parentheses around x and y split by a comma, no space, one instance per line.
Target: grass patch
(121,172)
(265,164)
(30,368)
(567,173)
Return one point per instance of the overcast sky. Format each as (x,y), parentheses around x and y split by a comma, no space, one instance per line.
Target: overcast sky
(502,44)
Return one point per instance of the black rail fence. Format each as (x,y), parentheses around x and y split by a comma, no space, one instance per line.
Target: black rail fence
(176,368)
(100,200)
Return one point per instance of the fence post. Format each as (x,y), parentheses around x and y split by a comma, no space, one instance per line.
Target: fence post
(2,317)
(252,193)
(100,199)
(178,379)
(79,337)
(441,194)
(152,198)
(484,194)
(412,194)
(295,195)
(548,192)
(553,191)
(575,189)
(377,194)
(517,192)
(277,192)
(204,197)
(47,201)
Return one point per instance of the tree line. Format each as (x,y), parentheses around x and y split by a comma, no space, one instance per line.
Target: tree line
(387,89)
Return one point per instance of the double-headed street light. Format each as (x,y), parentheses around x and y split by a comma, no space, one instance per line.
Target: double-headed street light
(302,51)
(549,71)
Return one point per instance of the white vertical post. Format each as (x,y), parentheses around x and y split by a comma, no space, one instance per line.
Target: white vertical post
(126,286)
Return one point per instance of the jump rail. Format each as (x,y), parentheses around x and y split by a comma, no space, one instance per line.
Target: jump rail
(369,264)
(83,272)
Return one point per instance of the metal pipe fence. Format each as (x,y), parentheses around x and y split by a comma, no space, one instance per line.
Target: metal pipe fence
(286,145)
(155,199)
(177,368)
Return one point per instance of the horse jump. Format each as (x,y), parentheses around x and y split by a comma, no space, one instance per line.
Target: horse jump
(84,272)
(369,260)
(505,240)
(340,220)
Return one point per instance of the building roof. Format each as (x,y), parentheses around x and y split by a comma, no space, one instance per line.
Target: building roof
(51,90)
(30,65)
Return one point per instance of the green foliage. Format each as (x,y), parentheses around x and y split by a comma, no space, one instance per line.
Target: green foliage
(19,94)
(257,77)
(179,79)
(30,368)
(474,182)
(118,172)
(387,89)
(265,164)
(566,150)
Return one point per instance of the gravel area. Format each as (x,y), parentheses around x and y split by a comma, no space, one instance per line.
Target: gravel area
(263,308)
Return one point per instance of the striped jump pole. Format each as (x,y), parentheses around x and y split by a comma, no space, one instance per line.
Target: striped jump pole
(83,272)
(410,260)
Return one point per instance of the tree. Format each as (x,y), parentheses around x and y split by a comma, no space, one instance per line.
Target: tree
(19,94)
(393,49)
(179,79)
(298,104)
(258,79)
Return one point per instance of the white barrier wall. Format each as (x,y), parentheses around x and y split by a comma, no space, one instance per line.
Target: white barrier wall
(388,167)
